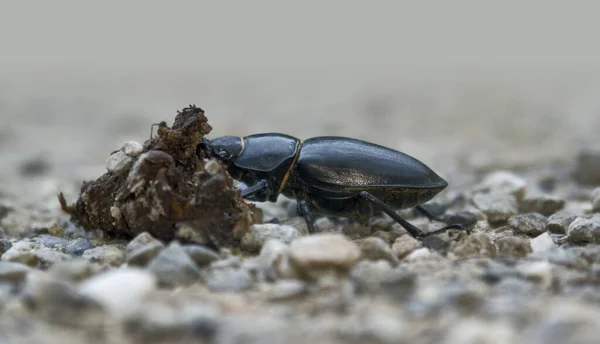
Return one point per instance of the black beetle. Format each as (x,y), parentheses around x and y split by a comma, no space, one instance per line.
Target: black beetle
(330,175)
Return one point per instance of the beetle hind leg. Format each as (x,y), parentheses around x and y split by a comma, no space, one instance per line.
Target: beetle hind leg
(412,229)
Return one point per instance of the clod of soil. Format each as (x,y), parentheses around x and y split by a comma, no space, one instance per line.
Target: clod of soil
(167,189)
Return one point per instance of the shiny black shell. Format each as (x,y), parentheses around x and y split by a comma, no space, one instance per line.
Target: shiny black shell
(338,168)
(264,153)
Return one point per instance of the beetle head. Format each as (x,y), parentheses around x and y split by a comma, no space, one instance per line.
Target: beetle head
(225,148)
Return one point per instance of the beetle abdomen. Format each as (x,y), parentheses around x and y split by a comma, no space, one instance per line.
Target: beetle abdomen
(342,162)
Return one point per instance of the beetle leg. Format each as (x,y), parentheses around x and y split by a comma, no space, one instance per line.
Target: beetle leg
(428,214)
(258,186)
(305,211)
(413,230)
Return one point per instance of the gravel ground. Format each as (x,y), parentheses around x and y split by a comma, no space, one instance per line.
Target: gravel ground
(520,157)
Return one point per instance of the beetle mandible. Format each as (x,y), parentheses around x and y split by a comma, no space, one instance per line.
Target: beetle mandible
(329,175)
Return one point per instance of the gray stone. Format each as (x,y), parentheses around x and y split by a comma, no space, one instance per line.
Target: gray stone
(260,233)
(373,248)
(287,289)
(497,207)
(118,162)
(532,224)
(119,291)
(368,275)
(74,270)
(503,182)
(59,302)
(404,245)
(542,242)
(202,255)
(324,256)
(465,218)
(545,205)
(172,266)
(21,252)
(13,272)
(142,249)
(5,245)
(474,245)
(560,221)
(190,322)
(111,255)
(596,200)
(275,254)
(51,241)
(77,246)
(512,246)
(584,230)
(587,169)
(47,257)
(228,280)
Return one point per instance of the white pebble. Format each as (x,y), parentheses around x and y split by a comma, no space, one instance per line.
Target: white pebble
(132,148)
(542,242)
(212,167)
(120,291)
(118,161)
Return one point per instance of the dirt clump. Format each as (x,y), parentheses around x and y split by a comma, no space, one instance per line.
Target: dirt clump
(167,188)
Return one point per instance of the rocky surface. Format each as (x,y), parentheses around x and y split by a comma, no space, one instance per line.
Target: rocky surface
(528,270)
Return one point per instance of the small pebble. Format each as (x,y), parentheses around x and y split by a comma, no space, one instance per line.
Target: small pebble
(368,275)
(596,200)
(47,257)
(5,245)
(504,182)
(228,280)
(465,218)
(497,207)
(474,245)
(202,255)
(587,169)
(51,241)
(545,205)
(584,230)
(421,254)
(212,167)
(111,255)
(560,221)
(275,254)
(21,252)
(287,289)
(512,246)
(538,272)
(374,248)
(132,148)
(260,233)
(118,162)
(324,255)
(172,266)
(142,249)
(76,247)
(404,245)
(74,270)
(13,272)
(120,291)
(542,242)
(532,224)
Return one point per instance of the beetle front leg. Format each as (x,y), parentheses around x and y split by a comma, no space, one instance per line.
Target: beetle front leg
(413,230)
(304,209)
(254,188)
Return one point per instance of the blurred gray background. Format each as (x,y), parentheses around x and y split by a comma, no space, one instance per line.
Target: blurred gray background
(459,85)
